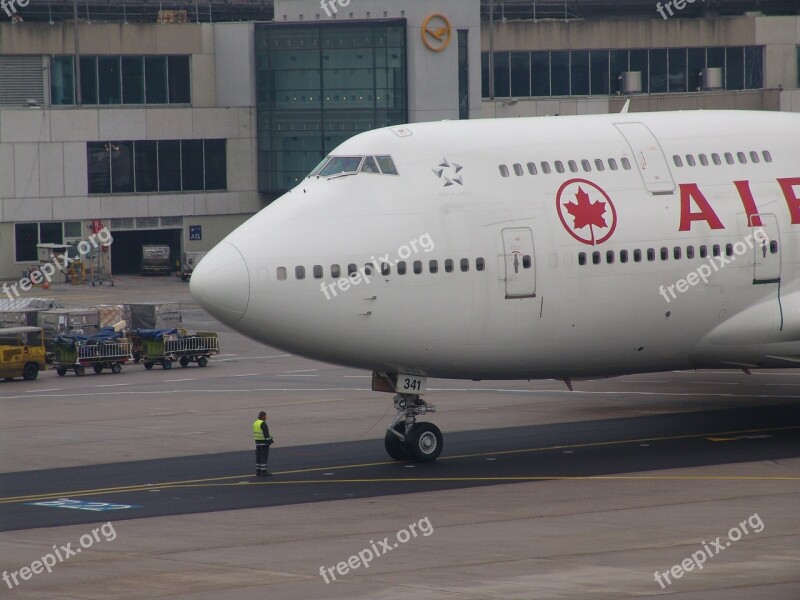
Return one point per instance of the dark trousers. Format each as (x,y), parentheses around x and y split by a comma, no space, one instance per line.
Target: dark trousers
(262,456)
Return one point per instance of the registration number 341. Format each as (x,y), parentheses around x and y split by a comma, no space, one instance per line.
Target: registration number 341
(410,384)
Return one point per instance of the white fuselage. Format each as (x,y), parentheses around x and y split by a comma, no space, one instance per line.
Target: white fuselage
(464,190)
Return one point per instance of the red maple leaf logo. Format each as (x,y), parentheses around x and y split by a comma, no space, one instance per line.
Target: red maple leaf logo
(587,213)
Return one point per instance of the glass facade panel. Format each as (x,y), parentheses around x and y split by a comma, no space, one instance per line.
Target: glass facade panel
(677,70)
(192,165)
(145,159)
(132,79)
(26,236)
(658,71)
(98,165)
(178,79)
(121,167)
(463,74)
(579,72)
(89,79)
(520,74)
(317,86)
(169,165)
(62,80)
(502,74)
(600,72)
(109,82)
(540,73)
(734,68)
(155,79)
(559,73)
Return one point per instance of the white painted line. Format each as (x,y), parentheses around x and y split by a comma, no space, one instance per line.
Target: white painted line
(112,385)
(252,357)
(303,371)
(50,390)
(177,380)
(358,376)
(640,381)
(714,383)
(245,375)
(297,375)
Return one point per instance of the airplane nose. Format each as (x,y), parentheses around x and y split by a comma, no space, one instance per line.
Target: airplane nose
(221,283)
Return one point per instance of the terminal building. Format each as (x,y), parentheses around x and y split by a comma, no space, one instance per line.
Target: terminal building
(173,123)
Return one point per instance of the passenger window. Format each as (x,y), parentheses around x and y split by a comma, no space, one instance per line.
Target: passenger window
(417,267)
(573,166)
(401,267)
(281,273)
(386,269)
(623,256)
(581,258)
(464,265)
(742,158)
(300,272)
(386,164)
(545,167)
(676,252)
(598,163)
(703,160)
(773,247)
(518,169)
(368,269)
(448,265)
(754,157)
(664,254)
(317,271)
(717,160)
(336,271)
(351,269)
(595,258)
(610,257)
(637,256)
(532,168)
(559,166)
(626,164)
(480,264)
(612,164)
(729,158)
(677,160)
(689,252)
(587,166)
(527,261)
(717,251)
(728,249)
(651,254)
(369,165)
(433,266)
(690,160)
(703,251)
(504,170)
(767,156)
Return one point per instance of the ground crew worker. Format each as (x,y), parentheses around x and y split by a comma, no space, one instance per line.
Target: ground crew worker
(263,442)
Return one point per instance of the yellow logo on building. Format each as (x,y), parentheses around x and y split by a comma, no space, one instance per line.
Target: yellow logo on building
(436,32)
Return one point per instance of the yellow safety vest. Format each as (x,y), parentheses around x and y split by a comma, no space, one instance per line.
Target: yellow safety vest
(258,433)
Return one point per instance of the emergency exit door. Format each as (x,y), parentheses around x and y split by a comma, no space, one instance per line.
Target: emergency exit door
(649,157)
(520,269)
(767,246)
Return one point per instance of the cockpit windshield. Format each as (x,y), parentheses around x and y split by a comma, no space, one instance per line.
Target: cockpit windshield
(332,166)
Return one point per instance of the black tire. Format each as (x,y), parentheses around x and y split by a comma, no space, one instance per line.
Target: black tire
(30,372)
(137,357)
(202,361)
(79,371)
(61,371)
(184,277)
(184,361)
(116,368)
(424,442)
(148,365)
(167,364)
(394,446)
(97,367)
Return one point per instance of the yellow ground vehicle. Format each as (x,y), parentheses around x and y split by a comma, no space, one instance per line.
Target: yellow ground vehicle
(21,352)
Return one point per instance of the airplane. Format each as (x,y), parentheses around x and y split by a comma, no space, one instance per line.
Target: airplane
(565,247)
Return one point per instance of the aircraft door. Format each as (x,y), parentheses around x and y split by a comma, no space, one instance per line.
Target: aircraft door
(649,157)
(520,268)
(767,243)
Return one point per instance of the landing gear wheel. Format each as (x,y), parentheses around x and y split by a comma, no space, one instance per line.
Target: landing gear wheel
(167,364)
(394,446)
(202,361)
(116,368)
(30,372)
(97,368)
(148,365)
(184,361)
(80,371)
(424,442)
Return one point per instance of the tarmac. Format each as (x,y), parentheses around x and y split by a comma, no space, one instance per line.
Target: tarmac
(540,492)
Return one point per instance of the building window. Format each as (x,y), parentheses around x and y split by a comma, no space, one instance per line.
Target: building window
(115,80)
(28,235)
(123,167)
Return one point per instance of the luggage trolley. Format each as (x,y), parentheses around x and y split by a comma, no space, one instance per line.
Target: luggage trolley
(107,350)
(165,346)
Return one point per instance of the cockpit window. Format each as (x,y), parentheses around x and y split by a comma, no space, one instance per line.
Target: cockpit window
(387,165)
(369,165)
(349,165)
(340,164)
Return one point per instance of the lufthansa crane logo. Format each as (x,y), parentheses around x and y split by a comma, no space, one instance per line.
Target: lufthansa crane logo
(586,211)
(436,32)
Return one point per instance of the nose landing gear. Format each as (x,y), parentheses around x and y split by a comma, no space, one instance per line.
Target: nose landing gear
(407,439)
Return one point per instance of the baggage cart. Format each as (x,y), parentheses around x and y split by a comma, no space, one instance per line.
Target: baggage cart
(105,351)
(164,347)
